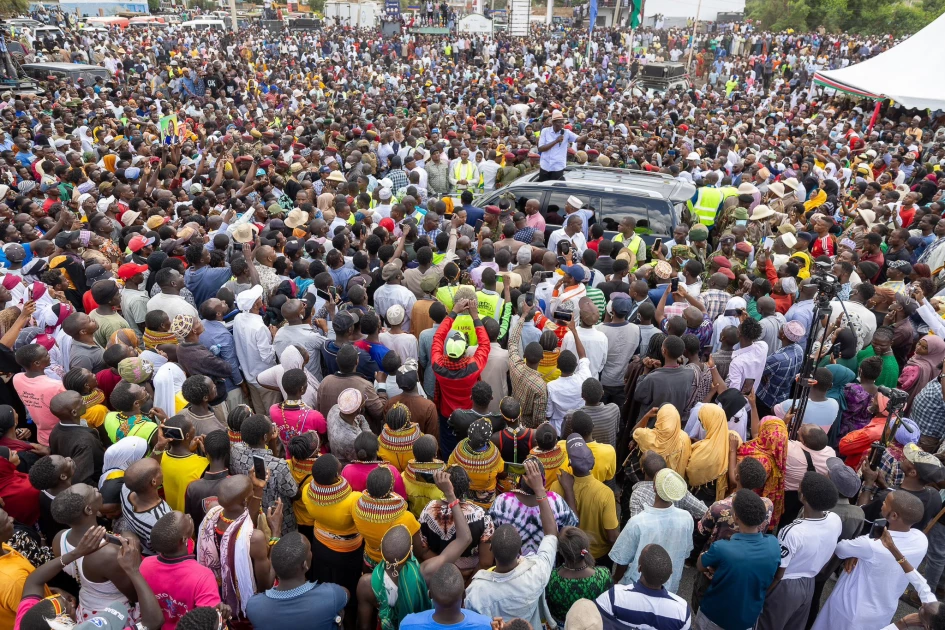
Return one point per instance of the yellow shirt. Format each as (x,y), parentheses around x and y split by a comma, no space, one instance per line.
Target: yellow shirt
(14,569)
(605,460)
(301,472)
(179,471)
(596,510)
(373,532)
(334,524)
(95,415)
(419,494)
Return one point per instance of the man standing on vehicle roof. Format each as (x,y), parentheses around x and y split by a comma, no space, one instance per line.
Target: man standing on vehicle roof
(553,148)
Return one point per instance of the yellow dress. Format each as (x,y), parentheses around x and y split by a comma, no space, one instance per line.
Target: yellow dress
(374,517)
(331,509)
(396,447)
(301,472)
(420,492)
(482,467)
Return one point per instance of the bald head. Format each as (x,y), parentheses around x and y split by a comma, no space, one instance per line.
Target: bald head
(139,475)
(718,281)
(395,544)
(293,310)
(64,404)
(766,305)
(233,491)
(264,254)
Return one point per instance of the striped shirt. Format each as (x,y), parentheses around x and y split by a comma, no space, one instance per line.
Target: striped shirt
(528,386)
(597,297)
(142,522)
(641,608)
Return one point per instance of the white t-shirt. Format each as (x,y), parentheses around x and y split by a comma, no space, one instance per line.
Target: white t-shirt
(823,413)
(807,545)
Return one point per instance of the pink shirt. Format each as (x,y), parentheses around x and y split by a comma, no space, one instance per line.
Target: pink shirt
(293,422)
(535,221)
(36,394)
(357,473)
(180,585)
(797,464)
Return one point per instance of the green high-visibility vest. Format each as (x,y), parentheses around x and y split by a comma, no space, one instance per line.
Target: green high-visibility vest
(707,205)
(487,304)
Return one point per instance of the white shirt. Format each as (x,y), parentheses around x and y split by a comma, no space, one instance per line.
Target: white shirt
(748,363)
(173,305)
(389,294)
(807,545)
(488,169)
(595,347)
(564,394)
(578,242)
(253,343)
(404,344)
(555,158)
(867,597)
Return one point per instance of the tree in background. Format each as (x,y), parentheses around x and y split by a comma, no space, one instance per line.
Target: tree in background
(869,17)
(12,8)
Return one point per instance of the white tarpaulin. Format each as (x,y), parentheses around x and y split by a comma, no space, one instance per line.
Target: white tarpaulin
(900,73)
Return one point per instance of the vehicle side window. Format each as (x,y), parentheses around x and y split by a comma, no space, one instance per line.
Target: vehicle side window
(518,196)
(652,215)
(557,201)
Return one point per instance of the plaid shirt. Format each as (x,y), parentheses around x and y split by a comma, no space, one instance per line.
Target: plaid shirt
(780,370)
(643,494)
(398,178)
(714,301)
(891,469)
(928,410)
(528,386)
(525,235)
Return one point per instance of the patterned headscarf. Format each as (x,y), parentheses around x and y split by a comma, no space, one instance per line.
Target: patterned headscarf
(770,448)
(181,325)
(135,370)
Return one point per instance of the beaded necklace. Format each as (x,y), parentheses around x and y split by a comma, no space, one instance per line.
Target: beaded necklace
(399,439)
(413,467)
(550,459)
(235,437)
(383,510)
(328,495)
(97,397)
(476,461)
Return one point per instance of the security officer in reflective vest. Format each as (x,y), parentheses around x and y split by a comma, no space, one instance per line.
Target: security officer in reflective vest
(707,200)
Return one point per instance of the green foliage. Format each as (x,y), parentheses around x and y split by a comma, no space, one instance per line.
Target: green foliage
(154,5)
(12,8)
(867,17)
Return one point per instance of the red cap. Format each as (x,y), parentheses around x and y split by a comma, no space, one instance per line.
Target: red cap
(387,224)
(138,242)
(130,270)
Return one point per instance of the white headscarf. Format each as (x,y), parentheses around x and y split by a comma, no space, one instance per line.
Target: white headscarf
(122,454)
(290,359)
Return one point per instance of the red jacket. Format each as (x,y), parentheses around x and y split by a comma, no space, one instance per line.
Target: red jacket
(455,377)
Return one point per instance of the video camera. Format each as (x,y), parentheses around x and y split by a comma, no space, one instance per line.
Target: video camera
(897,397)
(897,402)
(828,285)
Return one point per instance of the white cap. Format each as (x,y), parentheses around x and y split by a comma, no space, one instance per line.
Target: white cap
(574,202)
(695,157)
(384,194)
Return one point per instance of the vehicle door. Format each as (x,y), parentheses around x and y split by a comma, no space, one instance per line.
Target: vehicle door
(557,200)
(654,217)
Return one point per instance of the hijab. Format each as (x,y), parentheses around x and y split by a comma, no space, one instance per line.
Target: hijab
(666,438)
(120,455)
(770,448)
(708,460)
(928,365)
(841,377)
(846,339)
(732,401)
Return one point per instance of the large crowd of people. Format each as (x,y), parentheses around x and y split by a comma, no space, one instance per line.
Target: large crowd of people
(264,361)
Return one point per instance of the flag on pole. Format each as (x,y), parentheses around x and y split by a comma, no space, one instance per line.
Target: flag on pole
(636,8)
(592,13)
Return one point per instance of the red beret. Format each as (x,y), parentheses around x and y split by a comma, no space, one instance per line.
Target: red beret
(282,164)
(331,150)
(533,155)
(265,163)
(356,131)
(493,210)
(450,134)
(521,152)
(744,246)
(247,137)
(572,152)
(728,273)
(509,156)
(593,153)
(722,262)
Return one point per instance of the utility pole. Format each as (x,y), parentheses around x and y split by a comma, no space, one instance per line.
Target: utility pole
(233,14)
(549,11)
(692,44)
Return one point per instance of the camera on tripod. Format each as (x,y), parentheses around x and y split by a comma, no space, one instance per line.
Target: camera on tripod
(828,285)
(897,397)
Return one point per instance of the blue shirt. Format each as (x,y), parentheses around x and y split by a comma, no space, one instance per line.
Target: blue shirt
(311,606)
(340,277)
(670,528)
(220,341)
(206,281)
(744,568)
(473,214)
(472,621)
(29,256)
(780,370)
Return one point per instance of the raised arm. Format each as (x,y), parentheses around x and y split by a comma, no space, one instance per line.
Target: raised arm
(549,526)
(463,538)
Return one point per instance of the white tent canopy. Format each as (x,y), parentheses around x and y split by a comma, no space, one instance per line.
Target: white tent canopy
(898,74)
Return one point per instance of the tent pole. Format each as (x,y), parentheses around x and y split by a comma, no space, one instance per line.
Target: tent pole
(875,116)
